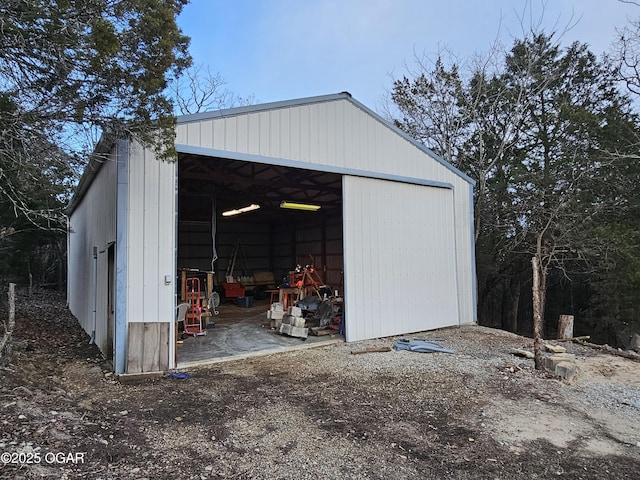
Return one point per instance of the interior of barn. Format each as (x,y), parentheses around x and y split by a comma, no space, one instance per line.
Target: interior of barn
(259,258)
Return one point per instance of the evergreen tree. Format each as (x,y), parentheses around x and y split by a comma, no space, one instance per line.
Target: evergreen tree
(537,136)
(71,70)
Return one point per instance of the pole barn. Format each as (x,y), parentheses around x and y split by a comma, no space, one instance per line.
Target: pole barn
(393,231)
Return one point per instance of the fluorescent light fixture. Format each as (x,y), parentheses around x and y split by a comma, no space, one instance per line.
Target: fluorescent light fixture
(238,211)
(300,206)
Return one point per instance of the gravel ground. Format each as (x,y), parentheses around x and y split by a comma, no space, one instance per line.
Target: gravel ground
(320,413)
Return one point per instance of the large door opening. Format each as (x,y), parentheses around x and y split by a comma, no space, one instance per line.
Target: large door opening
(258,248)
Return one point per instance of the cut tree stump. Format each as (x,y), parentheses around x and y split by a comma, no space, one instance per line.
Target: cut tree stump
(565,327)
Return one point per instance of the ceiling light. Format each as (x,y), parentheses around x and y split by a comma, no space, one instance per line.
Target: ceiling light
(300,206)
(238,211)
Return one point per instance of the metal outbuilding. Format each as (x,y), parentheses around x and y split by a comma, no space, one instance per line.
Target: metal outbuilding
(395,230)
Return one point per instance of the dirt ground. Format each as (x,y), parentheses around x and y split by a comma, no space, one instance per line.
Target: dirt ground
(319,413)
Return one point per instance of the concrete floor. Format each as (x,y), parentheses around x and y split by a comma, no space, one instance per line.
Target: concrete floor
(239,333)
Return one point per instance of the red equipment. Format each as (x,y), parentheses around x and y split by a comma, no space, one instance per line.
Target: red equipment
(193,317)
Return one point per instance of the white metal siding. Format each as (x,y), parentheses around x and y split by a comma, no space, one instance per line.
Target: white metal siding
(151,238)
(400,258)
(92,224)
(334,133)
(338,134)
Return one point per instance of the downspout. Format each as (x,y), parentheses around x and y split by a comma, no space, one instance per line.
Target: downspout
(95,296)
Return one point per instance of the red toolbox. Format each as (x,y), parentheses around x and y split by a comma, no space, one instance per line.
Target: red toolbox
(233,290)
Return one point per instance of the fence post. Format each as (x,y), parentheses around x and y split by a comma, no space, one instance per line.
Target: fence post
(5,343)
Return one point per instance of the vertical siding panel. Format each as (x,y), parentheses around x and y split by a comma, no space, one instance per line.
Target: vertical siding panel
(219,134)
(274,134)
(265,133)
(353,134)
(335,136)
(329,138)
(316,124)
(206,134)
(181,134)
(101,299)
(370,150)
(193,133)
(312,143)
(254,134)
(150,246)
(231,133)
(305,151)
(294,133)
(242,134)
(166,241)
(136,238)
(284,138)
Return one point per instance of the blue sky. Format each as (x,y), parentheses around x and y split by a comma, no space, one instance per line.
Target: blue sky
(284,49)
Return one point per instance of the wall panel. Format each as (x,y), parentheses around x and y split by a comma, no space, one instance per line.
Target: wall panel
(151,238)
(92,224)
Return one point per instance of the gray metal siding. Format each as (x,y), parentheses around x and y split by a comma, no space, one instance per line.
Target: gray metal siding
(335,134)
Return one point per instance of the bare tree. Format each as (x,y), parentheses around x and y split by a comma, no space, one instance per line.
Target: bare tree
(626,53)
(199,90)
(529,131)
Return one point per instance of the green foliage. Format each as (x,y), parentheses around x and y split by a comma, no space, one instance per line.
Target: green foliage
(70,69)
(551,143)
(103,62)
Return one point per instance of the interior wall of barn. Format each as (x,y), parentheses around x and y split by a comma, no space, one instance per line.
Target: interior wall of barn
(264,246)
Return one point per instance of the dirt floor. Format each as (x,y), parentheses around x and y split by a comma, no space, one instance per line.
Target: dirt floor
(320,413)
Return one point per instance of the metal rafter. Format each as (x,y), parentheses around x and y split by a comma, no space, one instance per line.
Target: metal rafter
(237,182)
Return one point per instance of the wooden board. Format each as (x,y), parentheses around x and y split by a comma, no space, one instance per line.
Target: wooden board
(148,347)
(319,333)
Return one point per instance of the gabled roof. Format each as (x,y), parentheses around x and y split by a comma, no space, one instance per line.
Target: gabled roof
(230,112)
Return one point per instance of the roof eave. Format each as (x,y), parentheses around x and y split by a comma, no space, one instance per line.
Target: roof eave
(96,160)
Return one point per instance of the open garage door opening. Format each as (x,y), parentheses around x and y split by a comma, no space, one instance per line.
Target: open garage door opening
(243,249)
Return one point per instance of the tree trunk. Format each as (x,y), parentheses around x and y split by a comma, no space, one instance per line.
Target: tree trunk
(537,314)
(515,306)
(565,327)
(30,291)
(5,341)
(510,304)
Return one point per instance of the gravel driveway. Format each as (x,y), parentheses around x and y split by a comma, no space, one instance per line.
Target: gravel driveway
(320,413)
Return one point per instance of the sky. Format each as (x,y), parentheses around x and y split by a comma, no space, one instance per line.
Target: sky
(273,50)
